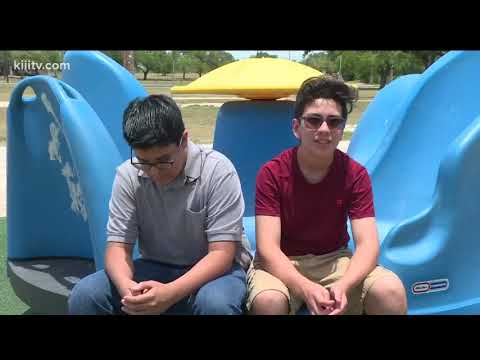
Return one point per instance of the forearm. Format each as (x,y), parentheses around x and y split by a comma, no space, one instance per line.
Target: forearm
(213,265)
(119,267)
(363,261)
(279,265)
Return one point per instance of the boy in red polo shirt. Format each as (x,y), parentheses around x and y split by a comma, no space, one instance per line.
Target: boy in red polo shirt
(303,199)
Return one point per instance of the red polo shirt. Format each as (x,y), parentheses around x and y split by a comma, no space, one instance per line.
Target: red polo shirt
(313,216)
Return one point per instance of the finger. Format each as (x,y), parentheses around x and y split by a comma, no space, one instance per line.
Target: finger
(337,311)
(138,299)
(327,303)
(332,294)
(338,297)
(344,302)
(149,284)
(326,310)
(312,306)
(142,286)
(135,292)
(136,308)
(134,312)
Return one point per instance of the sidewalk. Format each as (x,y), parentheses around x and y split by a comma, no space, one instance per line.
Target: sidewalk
(3,174)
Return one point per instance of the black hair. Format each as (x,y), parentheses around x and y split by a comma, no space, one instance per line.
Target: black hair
(154,120)
(325,87)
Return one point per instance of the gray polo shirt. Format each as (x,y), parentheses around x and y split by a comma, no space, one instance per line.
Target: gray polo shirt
(174,223)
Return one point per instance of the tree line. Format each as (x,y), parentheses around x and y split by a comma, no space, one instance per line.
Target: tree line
(373,67)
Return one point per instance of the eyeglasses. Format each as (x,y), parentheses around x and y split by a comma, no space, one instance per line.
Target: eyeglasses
(313,122)
(160,165)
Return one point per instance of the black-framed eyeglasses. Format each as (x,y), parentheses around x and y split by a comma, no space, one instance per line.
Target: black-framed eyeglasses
(313,122)
(161,165)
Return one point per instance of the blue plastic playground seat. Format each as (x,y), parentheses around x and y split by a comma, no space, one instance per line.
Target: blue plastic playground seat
(423,162)
(64,145)
(250,133)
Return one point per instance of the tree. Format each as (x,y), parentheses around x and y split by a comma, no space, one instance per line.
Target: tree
(263,54)
(427,57)
(375,66)
(184,63)
(115,55)
(54,57)
(165,61)
(146,61)
(390,64)
(321,62)
(216,59)
(29,62)
(175,55)
(5,63)
(199,62)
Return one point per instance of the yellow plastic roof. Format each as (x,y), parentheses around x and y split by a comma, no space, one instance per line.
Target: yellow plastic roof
(255,78)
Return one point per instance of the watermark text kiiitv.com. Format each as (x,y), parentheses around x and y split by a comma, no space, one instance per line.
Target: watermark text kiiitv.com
(31,66)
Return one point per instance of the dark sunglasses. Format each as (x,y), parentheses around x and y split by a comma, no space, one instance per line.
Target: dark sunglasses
(314,121)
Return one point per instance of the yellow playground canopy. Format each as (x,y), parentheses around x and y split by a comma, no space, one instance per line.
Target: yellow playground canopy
(255,78)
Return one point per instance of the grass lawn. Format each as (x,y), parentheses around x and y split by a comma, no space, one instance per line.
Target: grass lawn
(10,304)
(199,119)
(357,111)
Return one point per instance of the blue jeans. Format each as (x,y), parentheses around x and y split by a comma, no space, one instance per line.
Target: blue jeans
(97,295)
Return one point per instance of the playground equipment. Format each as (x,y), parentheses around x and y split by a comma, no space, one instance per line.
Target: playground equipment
(419,140)
(64,145)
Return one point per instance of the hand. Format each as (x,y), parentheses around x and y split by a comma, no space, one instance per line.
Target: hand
(149,298)
(126,288)
(338,293)
(317,299)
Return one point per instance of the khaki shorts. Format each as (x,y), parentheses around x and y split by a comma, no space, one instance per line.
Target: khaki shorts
(323,269)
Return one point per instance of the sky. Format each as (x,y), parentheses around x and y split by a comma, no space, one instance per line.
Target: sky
(243,54)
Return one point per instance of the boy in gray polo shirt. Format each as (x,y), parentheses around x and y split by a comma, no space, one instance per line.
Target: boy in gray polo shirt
(184,205)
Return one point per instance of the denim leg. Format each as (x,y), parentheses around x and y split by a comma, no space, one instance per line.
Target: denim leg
(222,296)
(97,295)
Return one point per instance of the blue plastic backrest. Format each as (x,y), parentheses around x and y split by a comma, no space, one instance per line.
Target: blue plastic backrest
(61,164)
(107,87)
(250,133)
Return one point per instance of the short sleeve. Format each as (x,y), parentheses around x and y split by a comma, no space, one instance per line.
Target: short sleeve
(122,219)
(361,204)
(225,206)
(267,193)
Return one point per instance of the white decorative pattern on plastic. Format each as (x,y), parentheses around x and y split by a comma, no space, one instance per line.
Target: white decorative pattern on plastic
(76,195)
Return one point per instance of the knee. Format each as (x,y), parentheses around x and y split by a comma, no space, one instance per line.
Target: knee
(388,296)
(216,303)
(269,302)
(88,297)
(79,297)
